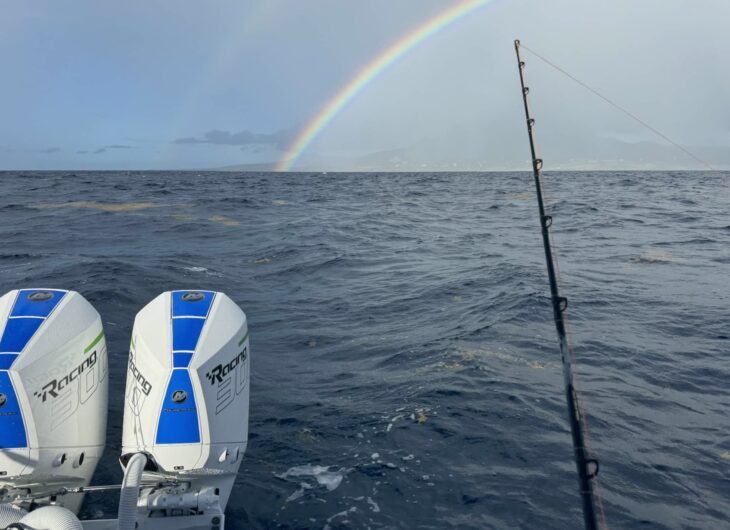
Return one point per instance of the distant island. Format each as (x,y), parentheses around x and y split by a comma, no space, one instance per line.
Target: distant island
(493,155)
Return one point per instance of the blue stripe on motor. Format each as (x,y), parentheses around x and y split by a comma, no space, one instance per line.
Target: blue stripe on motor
(178,421)
(185,333)
(6,360)
(24,307)
(199,308)
(12,430)
(18,332)
(181,360)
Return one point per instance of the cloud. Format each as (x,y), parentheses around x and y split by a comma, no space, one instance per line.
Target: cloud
(280,139)
(51,150)
(104,149)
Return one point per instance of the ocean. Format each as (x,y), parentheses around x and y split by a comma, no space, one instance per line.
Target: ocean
(405,366)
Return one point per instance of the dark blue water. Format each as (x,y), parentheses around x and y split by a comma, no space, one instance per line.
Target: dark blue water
(402,338)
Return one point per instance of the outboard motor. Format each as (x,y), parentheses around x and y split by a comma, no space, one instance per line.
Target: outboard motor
(186,406)
(53,396)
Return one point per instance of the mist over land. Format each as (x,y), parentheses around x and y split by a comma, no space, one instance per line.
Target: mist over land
(597,154)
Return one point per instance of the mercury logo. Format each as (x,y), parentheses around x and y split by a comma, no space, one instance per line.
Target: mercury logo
(193,297)
(179,396)
(40,296)
(3,399)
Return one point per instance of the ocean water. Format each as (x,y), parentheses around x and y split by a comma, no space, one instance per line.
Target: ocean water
(405,369)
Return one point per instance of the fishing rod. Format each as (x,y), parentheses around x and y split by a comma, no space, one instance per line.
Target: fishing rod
(587,466)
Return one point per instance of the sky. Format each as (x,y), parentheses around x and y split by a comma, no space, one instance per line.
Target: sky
(196,85)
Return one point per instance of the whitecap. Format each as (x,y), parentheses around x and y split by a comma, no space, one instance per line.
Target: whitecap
(373,505)
(322,474)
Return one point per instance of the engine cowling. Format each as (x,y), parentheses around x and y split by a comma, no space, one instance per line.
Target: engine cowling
(187,396)
(53,390)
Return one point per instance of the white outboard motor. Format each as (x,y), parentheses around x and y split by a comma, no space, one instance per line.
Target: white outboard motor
(53,396)
(186,406)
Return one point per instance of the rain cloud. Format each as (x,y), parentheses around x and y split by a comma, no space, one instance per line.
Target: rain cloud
(245,139)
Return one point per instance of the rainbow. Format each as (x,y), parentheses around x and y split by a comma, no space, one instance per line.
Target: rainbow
(374,68)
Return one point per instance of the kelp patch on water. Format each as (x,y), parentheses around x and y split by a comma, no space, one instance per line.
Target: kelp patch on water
(101,206)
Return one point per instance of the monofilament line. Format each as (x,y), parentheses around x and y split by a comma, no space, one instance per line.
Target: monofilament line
(620,108)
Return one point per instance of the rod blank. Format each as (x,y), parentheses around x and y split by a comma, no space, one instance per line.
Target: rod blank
(587,466)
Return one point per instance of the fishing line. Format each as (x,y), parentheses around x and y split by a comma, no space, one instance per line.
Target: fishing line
(620,108)
(549,202)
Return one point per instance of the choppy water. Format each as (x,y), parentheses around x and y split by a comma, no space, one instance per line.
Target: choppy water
(405,365)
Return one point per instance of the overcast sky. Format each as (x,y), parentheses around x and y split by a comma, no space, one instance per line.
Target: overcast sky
(190,84)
